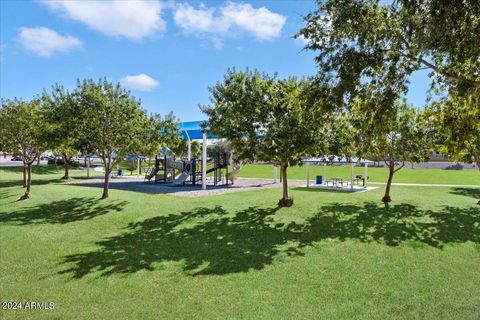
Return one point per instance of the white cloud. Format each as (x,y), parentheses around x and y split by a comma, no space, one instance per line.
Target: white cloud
(141,82)
(231,19)
(133,20)
(45,42)
(302,40)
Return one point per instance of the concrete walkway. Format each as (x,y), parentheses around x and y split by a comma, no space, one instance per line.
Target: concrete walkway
(397,184)
(428,185)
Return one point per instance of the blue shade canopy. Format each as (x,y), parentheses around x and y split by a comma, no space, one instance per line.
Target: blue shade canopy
(193,130)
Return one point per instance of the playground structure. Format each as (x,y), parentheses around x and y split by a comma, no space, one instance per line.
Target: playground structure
(170,170)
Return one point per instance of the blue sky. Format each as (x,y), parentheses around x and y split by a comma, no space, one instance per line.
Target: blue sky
(167,53)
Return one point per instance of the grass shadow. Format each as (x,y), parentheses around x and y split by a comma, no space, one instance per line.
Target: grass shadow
(35,182)
(467,192)
(62,211)
(40,170)
(210,241)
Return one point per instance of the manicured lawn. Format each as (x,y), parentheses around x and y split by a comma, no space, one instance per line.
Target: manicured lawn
(405,175)
(332,255)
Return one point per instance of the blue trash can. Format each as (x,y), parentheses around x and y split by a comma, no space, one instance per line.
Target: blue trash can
(119,172)
(319,179)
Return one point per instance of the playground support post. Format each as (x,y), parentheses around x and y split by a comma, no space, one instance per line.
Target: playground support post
(365,179)
(308,174)
(204,162)
(274,173)
(351,175)
(138,167)
(189,147)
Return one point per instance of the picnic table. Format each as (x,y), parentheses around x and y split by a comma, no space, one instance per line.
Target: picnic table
(337,181)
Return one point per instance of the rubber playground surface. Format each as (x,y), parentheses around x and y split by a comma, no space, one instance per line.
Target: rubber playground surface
(138,185)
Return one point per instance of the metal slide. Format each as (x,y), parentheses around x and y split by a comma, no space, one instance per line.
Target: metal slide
(183,177)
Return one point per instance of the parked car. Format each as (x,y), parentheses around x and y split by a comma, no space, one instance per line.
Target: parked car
(16,158)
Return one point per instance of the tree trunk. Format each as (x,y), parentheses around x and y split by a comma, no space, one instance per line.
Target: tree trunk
(38,159)
(24,175)
(391,170)
(26,195)
(66,160)
(285,201)
(477,162)
(107,164)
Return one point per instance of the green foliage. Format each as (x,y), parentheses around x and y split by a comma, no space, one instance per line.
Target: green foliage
(22,128)
(382,43)
(181,149)
(402,136)
(214,150)
(214,257)
(23,133)
(72,163)
(457,120)
(158,132)
(112,121)
(396,134)
(265,118)
(62,118)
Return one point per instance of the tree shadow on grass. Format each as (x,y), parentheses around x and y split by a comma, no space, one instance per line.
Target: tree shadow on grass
(42,169)
(213,241)
(62,211)
(467,192)
(19,182)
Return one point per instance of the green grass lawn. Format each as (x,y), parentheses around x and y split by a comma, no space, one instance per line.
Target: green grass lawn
(332,255)
(405,175)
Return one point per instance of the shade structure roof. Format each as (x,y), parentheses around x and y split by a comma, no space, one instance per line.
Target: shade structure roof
(192,130)
(336,159)
(131,156)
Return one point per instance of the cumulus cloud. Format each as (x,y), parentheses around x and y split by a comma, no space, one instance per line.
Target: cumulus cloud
(229,20)
(133,20)
(45,42)
(141,82)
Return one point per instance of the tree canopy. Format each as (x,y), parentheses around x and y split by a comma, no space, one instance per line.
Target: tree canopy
(23,134)
(383,42)
(62,120)
(457,120)
(113,122)
(265,118)
(404,136)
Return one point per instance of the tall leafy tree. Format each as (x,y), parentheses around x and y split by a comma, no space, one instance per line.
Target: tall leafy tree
(22,126)
(457,120)
(383,42)
(113,122)
(181,150)
(158,132)
(403,135)
(266,119)
(63,118)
